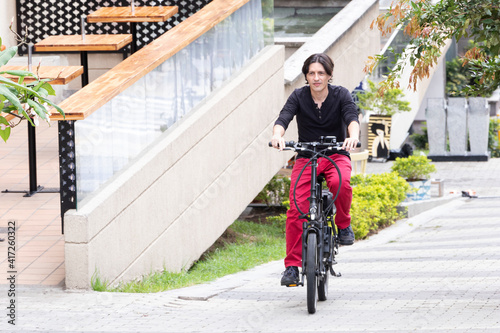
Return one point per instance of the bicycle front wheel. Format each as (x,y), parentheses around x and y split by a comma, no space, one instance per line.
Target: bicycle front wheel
(312,278)
(328,254)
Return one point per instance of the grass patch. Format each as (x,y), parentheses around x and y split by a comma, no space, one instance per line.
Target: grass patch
(98,284)
(243,245)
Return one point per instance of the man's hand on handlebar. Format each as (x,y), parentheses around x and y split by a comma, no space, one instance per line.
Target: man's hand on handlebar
(278,142)
(350,144)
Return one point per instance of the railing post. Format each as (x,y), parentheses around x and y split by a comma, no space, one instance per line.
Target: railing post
(67,167)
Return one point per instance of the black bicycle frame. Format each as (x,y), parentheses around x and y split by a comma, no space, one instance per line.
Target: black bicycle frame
(315,221)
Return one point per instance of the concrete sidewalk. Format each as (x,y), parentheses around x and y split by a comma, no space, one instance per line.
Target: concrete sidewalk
(435,272)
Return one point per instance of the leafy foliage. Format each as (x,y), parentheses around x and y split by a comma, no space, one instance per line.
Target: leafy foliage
(415,167)
(389,103)
(275,192)
(430,26)
(375,201)
(458,77)
(421,141)
(23,100)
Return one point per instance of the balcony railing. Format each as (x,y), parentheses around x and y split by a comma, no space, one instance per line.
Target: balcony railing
(113,130)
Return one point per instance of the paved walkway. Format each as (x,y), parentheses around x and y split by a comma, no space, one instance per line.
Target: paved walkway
(436,272)
(39,242)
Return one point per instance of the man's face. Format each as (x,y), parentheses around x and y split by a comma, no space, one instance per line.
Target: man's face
(317,77)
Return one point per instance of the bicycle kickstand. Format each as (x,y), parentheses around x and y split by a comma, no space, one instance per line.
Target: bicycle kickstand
(334,274)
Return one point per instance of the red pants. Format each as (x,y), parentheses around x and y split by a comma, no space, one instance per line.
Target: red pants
(343,202)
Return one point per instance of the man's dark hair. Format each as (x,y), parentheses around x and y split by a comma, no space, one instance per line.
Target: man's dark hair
(321,58)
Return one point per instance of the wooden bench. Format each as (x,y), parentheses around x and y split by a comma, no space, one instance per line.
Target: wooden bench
(125,14)
(76,43)
(59,75)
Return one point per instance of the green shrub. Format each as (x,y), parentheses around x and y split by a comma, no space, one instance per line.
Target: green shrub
(415,167)
(375,201)
(391,102)
(279,220)
(275,192)
(421,141)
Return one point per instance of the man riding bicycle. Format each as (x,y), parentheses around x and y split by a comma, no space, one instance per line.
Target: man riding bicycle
(321,110)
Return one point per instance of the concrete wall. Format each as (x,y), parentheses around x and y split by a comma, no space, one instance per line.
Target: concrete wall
(194,182)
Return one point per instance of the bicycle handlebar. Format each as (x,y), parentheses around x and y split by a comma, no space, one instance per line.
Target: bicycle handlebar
(317,148)
(318,145)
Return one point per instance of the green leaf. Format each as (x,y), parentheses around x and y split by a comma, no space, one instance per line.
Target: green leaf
(52,104)
(39,109)
(20,73)
(43,92)
(18,86)
(7,54)
(49,89)
(2,119)
(12,98)
(4,133)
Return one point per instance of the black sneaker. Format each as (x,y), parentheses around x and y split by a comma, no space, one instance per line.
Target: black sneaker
(290,276)
(346,236)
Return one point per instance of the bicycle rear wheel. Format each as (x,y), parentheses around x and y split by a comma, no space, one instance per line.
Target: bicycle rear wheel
(312,278)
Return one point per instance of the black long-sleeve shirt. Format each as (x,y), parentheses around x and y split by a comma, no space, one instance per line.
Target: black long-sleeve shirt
(336,113)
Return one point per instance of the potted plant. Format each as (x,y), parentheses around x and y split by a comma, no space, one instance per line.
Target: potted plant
(384,104)
(20,100)
(416,169)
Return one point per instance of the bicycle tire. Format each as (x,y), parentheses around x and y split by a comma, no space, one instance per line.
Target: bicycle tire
(312,278)
(323,282)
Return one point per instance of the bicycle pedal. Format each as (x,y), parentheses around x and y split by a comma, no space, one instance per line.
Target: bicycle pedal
(295,284)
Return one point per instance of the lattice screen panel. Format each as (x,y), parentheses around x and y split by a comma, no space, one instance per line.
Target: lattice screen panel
(43,18)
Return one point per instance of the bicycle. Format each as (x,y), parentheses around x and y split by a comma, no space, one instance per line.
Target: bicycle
(320,241)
